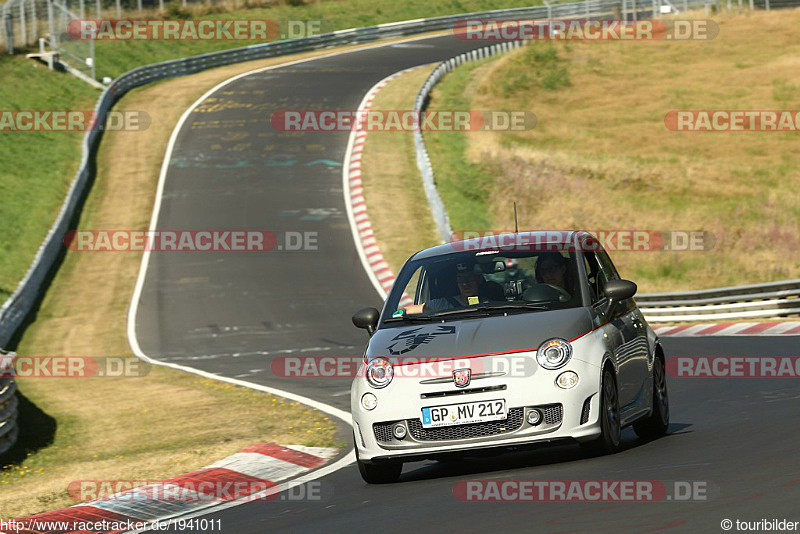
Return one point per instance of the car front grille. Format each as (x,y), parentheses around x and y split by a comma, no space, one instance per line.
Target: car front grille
(587,404)
(474,430)
(383,432)
(553,415)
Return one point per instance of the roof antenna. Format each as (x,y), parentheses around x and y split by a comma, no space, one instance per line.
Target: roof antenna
(516,226)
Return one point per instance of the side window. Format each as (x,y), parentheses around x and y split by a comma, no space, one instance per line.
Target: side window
(600,270)
(606,266)
(593,276)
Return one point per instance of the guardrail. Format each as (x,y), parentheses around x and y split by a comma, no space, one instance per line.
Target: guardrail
(774,299)
(8,409)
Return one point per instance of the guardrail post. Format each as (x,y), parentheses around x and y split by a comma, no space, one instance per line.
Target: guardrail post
(52,38)
(139,6)
(82,8)
(119,10)
(549,9)
(22,24)
(766,5)
(685,6)
(34,23)
(8,30)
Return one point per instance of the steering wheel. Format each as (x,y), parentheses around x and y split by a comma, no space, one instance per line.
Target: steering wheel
(563,294)
(544,293)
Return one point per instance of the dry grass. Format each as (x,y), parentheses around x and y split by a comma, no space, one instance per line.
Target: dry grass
(393,189)
(601,157)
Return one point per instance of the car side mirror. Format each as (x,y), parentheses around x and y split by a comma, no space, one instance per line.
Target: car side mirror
(367,318)
(616,291)
(620,289)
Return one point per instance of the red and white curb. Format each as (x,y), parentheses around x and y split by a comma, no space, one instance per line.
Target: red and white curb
(374,262)
(787,328)
(251,474)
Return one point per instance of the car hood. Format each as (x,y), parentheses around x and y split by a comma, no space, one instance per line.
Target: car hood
(467,337)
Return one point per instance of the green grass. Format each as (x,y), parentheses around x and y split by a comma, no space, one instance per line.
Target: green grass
(463,185)
(37,167)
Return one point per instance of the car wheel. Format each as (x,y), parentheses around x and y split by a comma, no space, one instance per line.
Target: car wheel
(382,473)
(656,425)
(610,437)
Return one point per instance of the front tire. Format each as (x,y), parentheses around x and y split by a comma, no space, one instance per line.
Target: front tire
(657,423)
(383,473)
(610,439)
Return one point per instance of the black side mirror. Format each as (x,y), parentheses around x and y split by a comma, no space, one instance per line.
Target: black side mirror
(616,291)
(620,289)
(367,318)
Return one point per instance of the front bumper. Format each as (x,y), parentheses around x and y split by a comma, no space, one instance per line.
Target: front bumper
(571,414)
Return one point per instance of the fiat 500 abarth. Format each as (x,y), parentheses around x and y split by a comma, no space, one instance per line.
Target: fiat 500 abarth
(486,347)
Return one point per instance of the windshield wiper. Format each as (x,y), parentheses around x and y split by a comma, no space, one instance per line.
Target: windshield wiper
(406,317)
(486,309)
(526,306)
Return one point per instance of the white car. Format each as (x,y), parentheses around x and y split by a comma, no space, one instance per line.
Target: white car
(481,346)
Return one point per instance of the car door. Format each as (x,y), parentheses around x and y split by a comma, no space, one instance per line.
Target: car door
(636,355)
(624,334)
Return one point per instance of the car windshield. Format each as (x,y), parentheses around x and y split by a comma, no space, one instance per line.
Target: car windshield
(485,282)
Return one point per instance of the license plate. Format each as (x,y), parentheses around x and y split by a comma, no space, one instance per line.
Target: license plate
(464,413)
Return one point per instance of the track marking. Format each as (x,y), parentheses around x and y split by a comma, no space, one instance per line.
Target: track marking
(349,456)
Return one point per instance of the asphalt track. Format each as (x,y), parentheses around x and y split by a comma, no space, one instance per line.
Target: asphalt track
(232,314)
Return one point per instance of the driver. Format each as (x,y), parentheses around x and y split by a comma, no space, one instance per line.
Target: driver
(551,268)
(470,285)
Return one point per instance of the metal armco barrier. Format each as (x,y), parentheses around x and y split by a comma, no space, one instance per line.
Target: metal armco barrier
(8,409)
(775,299)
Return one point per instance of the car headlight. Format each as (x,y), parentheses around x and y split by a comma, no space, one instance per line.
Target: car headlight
(554,353)
(379,372)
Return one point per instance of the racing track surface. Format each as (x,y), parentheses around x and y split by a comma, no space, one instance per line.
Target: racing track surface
(233,313)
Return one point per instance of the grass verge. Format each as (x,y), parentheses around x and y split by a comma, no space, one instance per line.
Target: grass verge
(38,166)
(601,158)
(398,208)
